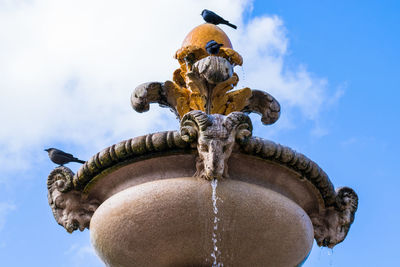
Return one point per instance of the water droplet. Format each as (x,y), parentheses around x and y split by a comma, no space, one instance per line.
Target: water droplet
(330,252)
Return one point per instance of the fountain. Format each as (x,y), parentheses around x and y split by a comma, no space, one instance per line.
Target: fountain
(209,194)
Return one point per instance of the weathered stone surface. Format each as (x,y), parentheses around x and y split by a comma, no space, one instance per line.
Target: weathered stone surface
(215,137)
(332,225)
(70,209)
(133,149)
(242,167)
(263,104)
(153,225)
(213,69)
(256,161)
(142,147)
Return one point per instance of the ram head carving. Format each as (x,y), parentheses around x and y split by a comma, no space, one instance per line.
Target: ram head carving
(215,136)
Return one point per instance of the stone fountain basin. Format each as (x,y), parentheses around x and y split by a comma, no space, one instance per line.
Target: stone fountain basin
(154,213)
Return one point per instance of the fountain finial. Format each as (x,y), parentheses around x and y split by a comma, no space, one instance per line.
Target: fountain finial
(206,81)
(201,34)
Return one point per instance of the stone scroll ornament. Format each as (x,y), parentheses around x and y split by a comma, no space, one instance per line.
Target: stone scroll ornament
(70,208)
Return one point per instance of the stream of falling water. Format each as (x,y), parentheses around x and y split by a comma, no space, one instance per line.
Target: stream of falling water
(330,254)
(325,256)
(215,253)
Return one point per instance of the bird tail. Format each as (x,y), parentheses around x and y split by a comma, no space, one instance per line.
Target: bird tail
(231,25)
(79,161)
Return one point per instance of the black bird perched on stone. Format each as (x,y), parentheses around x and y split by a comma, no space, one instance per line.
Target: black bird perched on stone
(213,47)
(60,157)
(213,18)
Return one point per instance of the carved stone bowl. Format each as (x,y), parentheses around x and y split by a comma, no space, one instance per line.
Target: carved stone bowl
(164,217)
(145,208)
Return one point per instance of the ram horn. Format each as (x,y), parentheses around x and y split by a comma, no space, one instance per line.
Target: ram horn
(192,122)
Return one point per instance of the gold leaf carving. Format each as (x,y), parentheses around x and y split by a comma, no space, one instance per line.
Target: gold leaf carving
(224,102)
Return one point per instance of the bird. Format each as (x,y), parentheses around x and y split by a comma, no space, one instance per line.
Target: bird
(213,47)
(60,157)
(213,18)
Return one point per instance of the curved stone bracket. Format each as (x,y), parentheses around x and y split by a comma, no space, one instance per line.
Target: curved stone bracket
(264,104)
(332,225)
(70,208)
(145,94)
(152,92)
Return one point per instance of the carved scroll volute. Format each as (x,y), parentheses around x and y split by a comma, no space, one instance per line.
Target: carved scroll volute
(70,209)
(265,105)
(192,123)
(215,136)
(333,224)
(241,124)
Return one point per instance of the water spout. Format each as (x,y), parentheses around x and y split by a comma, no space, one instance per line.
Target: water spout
(215,253)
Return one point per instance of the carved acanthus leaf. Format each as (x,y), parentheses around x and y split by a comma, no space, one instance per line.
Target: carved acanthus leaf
(206,82)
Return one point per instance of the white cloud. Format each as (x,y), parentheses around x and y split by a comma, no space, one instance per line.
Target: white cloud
(68,68)
(83,254)
(264,45)
(5,209)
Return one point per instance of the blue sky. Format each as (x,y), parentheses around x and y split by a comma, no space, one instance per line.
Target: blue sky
(67,70)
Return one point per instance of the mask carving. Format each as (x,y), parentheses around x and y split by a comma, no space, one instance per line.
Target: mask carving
(331,227)
(70,209)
